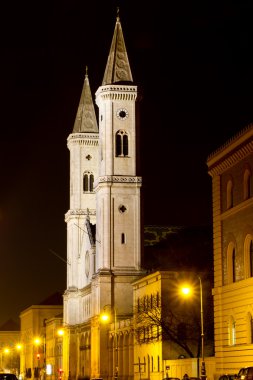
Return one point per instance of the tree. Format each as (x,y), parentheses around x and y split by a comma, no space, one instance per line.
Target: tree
(173,319)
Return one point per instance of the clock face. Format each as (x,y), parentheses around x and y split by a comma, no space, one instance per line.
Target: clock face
(122,113)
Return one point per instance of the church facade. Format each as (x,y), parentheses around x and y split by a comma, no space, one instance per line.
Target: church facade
(103,222)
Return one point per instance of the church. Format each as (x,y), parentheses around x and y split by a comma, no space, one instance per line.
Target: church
(103,221)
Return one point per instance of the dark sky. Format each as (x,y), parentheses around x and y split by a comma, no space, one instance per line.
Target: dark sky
(193,63)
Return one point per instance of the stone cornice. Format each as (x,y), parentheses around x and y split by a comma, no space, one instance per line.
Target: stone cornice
(79,212)
(229,157)
(117,92)
(234,210)
(83,139)
(119,179)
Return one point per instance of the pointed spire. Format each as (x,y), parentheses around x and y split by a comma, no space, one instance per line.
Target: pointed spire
(117,68)
(86,117)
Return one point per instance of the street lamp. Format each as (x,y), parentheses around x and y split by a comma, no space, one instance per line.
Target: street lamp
(19,347)
(186,291)
(37,342)
(105,318)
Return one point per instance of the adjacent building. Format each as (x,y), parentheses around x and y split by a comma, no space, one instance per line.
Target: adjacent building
(231,170)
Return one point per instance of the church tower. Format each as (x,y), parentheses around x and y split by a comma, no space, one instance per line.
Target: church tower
(81,217)
(104,220)
(118,232)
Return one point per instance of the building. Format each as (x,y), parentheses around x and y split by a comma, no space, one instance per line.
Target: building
(38,334)
(104,219)
(231,170)
(104,235)
(9,347)
(54,348)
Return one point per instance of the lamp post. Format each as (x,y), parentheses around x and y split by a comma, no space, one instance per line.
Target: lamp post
(105,317)
(203,366)
(37,342)
(19,348)
(186,290)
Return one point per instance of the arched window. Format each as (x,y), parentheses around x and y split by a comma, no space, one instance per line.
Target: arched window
(85,182)
(121,144)
(246,184)
(248,256)
(249,328)
(229,194)
(88,181)
(251,258)
(231,263)
(232,331)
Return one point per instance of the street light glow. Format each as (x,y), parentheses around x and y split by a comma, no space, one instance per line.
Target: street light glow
(105,317)
(60,332)
(37,341)
(186,290)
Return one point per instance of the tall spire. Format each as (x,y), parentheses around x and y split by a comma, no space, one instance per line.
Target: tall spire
(86,117)
(117,68)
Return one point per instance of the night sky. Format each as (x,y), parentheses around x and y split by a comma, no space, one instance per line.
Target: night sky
(193,64)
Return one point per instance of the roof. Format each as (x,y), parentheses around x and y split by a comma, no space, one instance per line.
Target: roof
(118,67)
(53,299)
(10,325)
(86,120)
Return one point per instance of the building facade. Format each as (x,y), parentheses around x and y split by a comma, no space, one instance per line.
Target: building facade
(10,347)
(34,337)
(104,220)
(231,170)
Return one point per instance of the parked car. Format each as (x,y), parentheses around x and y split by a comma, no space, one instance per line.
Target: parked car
(245,373)
(228,376)
(7,376)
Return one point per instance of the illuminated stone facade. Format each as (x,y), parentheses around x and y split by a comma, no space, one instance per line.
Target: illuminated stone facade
(231,170)
(103,223)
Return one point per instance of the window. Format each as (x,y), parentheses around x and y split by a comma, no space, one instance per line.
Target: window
(121,144)
(246,184)
(123,238)
(229,194)
(249,328)
(232,331)
(251,258)
(248,256)
(88,181)
(231,263)
(233,266)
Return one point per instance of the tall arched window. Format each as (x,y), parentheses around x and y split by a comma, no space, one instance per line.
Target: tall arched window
(121,143)
(229,194)
(249,328)
(88,181)
(231,263)
(246,184)
(248,256)
(232,331)
(251,258)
